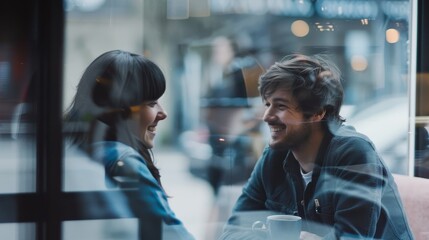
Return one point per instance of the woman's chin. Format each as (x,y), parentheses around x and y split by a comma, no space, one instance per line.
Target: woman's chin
(148,144)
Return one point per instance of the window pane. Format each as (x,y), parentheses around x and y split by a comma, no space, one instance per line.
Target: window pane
(92,29)
(17,102)
(17,231)
(113,229)
(212,53)
(17,171)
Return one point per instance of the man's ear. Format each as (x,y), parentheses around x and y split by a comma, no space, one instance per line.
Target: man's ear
(317,117)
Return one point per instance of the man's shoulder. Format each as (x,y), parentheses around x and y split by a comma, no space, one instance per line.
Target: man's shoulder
(347,134)
(351,147)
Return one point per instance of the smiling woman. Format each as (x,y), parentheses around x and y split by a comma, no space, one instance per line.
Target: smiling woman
(144,120)
(117,99)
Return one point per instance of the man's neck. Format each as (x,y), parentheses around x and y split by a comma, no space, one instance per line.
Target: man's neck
(306,153)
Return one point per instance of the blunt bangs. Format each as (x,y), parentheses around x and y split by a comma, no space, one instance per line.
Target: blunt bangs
(152,80)
(131,79)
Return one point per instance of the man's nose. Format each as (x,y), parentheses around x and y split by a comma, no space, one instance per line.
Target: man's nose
(268,115)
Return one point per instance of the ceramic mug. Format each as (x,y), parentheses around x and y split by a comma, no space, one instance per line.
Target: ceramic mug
(280,227)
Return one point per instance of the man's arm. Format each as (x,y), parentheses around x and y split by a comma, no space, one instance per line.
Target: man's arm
(360,180)
(250,206)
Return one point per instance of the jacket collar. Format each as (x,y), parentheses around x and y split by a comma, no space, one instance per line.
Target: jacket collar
(291,165)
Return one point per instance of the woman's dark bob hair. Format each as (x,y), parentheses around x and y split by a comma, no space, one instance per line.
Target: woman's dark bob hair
(116,80)
(113,83)
(110,85)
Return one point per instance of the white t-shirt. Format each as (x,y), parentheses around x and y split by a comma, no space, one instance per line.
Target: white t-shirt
(306,177)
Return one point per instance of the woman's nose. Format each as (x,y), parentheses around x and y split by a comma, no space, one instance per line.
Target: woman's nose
(162,114)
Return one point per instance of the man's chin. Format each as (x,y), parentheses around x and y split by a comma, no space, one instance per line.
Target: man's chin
(275,145)
(278,145)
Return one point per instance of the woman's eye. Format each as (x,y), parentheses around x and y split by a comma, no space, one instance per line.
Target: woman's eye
(152,104)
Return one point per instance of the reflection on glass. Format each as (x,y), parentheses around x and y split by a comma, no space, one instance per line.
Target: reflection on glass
(17,231)
(17,170)
(91,29)
(112,229)
(17,92)
(214,121)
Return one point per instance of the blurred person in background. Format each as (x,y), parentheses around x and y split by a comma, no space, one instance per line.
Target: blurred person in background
(229,116)
(315,166)
(228,80)
(117,99)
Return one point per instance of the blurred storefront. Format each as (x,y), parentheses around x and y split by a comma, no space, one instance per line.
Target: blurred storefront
(368,40)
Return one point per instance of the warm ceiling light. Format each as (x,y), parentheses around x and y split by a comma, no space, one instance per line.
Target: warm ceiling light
(300,28)
(364,21)
(329,27)
(359,63)
(392,35)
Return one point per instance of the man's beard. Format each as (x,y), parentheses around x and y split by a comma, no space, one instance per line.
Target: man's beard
(294,138)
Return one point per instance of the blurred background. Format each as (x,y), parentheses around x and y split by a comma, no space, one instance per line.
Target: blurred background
(212,53)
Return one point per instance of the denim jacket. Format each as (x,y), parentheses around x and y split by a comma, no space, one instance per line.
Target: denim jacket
(122,160)
(351,195)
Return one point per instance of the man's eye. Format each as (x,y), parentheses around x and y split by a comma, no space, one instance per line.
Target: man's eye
(152,104)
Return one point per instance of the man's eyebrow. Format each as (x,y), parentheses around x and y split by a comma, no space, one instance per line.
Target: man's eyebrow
(281,100)
(288,102)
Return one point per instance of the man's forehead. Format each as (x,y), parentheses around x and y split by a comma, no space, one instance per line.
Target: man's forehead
(280,94)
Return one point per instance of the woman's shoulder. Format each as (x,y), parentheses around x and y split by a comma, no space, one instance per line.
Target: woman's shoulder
(112,151)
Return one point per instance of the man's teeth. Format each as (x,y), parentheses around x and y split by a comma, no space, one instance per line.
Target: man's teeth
(152,129)
(276,129)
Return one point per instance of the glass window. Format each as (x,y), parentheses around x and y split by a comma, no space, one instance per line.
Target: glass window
(117,229)
(92,28)
(212,53)
(16,231)
(421,152)
(17,100)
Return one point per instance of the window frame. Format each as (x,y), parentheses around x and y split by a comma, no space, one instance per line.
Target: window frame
(49,206)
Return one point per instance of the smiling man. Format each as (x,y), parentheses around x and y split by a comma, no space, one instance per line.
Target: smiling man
(315,166)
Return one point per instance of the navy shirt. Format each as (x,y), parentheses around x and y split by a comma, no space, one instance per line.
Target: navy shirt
(352,194)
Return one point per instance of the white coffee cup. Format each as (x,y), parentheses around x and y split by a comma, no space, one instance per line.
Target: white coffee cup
(280,227)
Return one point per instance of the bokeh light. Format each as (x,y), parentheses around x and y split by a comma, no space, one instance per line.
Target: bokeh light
(300,28)
(359,63)
(392,35)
